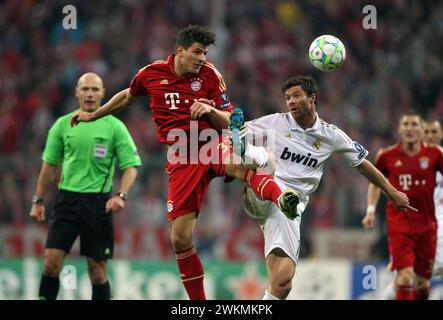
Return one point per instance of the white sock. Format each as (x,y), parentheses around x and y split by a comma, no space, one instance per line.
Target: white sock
(269,296)
(389,292)
(255,156)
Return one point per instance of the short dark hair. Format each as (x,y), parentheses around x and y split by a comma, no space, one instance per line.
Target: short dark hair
(194,33)
(308,84)
(431,121)
(411,113)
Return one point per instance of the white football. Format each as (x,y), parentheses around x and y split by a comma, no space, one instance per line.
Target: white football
(327,53)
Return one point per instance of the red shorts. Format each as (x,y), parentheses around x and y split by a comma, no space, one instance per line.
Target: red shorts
(189,182)
(415,250)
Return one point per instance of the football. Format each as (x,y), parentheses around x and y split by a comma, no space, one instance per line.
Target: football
(327,53)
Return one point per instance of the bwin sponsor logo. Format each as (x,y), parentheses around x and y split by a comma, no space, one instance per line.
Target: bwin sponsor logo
(299,158)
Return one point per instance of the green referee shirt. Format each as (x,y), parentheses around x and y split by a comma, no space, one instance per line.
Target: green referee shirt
(89,151)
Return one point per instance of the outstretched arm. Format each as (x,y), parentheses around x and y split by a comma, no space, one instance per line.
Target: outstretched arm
(374,176)
(117,102)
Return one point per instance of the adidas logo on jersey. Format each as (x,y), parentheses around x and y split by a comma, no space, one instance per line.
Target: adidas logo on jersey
(299,158)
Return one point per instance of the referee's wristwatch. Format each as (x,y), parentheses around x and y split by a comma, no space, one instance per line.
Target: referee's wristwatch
(122,195)
(37,200)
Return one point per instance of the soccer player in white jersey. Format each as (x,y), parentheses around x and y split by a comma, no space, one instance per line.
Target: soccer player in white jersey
(303,143)
(432,136)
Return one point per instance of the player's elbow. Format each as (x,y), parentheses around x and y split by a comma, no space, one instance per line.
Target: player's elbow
(129,98)
(363,167)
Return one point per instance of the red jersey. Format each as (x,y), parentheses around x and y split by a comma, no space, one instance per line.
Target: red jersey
(415,176)
(171,96)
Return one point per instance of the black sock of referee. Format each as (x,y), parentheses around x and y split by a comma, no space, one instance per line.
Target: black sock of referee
(101,291)
(48,288)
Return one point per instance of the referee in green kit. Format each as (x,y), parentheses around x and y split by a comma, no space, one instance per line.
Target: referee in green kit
(85,202)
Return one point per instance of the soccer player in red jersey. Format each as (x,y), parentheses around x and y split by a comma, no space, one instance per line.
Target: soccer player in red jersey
(411,167)
(182,88)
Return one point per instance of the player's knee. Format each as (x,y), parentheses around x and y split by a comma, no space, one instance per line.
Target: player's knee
(422,292)
(422,288)
(97,272)
(405,277)
(52,264)
(51,268)
(281,286)
(281,289)
(181,240)
(182,229)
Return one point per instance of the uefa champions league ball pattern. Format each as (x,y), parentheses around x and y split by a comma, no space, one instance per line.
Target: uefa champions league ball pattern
(327,53)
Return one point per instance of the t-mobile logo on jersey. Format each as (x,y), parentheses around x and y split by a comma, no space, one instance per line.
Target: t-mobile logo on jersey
(170,99)
(405,180)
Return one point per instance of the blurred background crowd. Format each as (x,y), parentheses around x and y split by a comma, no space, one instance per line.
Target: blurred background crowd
(260,43)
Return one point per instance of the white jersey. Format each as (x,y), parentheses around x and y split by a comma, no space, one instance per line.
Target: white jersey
(300,154)
(438,198)
(299,159)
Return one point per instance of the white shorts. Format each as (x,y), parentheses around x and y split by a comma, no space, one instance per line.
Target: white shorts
(278,230)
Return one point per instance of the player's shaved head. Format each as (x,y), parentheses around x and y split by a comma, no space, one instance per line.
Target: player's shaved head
(89,91)
(90,77)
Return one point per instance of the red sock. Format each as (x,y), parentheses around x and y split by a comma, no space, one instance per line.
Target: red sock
(191,273)
(404,292)
(421,294)
(263,186)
